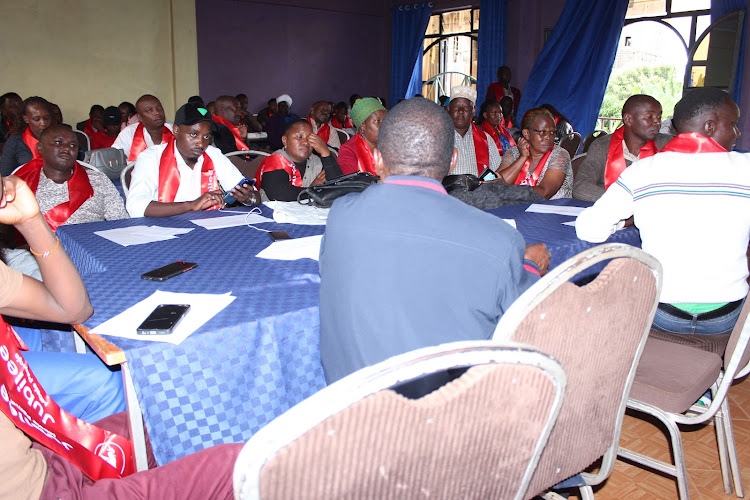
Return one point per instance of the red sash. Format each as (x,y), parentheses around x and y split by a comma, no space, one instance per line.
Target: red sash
(79,190)
(324,132)
(279,162)
(616,156)
(508,124)
(365,161)
(534,179)
(481,149)
(139,140)
(101,140)
(496,137)
(31,142)
(98,453)
(238,142)
(169,175)
(88,129)
(347,123)
(693,142)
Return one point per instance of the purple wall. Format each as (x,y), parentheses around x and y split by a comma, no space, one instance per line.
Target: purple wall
(309,49)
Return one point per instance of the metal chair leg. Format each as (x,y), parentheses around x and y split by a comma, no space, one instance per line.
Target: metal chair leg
(731,448)
(135,419)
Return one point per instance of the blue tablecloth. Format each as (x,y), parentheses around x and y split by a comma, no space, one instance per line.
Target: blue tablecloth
(250,363)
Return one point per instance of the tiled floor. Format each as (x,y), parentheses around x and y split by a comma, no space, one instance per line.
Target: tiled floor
(629,481)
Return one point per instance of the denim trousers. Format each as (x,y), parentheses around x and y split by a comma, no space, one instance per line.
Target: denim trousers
(665,322)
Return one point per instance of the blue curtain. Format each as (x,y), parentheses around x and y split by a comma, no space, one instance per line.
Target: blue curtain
(720,8)
(573,69)
(409,25)
(491,49)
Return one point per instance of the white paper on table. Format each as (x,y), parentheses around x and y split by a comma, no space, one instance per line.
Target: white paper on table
(291,212)
(203,307)
(223,221)
(512,222)
(138,235)
(555,209)
(296,248)
(257,135)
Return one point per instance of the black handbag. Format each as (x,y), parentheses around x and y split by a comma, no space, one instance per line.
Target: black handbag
(323,195)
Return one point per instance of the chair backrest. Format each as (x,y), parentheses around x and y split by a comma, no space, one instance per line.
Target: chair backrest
(247,167)
(597,332)
(476,436)
(570,143)
(737,355)
(125,177)
(576,163)
(591,138)
(343,135)
(83,139)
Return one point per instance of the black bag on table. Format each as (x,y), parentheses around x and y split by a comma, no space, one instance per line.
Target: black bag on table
(323,195)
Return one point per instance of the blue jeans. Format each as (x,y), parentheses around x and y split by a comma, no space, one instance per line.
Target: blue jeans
(665,322)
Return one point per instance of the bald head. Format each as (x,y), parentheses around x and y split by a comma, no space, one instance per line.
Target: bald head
(416,138)
(637,101)
(641,117)
(228,107)
(150,111)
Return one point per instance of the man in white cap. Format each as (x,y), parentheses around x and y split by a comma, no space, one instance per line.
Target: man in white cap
(277,123)
(476,149)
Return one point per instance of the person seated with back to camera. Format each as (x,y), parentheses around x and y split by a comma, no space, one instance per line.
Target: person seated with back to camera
(187,174)
(288,171)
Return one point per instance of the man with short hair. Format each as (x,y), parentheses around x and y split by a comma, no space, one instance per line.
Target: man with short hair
(609,155)
(230,133)
(319,119)
(111,122)
(94,123)
(477,151)
(401,300)
(691,203)
(267,112)
(187,174)
(277,123)
(152,128)
(497,90)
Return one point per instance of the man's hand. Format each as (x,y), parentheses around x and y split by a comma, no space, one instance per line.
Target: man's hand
(318,145)
(320,179)
(243,130)
(207,200)
(539,255)
(17,202)
(246,194)
(523,146)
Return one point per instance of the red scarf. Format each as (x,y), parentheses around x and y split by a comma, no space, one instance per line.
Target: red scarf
(79,190)
(481,149)
(534,179)
(98,453)
(496,137)
(693,142)
(365,161)
(31,142)
(616,156)
(279,162)
(238,142)
(101,140)
(169,175)
(88,129)
(324,132)
(139,140)
(508,124)
(347,123)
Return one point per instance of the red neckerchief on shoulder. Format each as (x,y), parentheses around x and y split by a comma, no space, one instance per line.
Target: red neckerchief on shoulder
(616,156)
(169,175)
(534,178)
(31,142)
(693,142)
(324,132)
(481,148)
(278,162)
(139,140)
(365,161)
(238,142)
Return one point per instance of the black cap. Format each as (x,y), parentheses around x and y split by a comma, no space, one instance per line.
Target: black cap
(192,113)
(112,116)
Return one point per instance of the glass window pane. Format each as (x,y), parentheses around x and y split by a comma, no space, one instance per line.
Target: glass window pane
(457,22)
(433,28)
(703,23)
(697,76)
(640,8)
(476,19)
(701,53)
(430,65)
(687,5)
(682,25)
(474,59)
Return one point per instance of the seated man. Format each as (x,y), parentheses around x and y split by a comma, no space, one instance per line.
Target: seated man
(111,121)
(187,174)
(691,203)
(609,155)
(248,119)
(476,150)
(319,119)
(277,123)
(267,112)
(152,128)
(401,300)
(229,132)
(94,123)
(341,118)
(501,88)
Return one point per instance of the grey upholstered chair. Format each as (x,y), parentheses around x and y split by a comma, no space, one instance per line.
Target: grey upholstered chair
(570,143)
(477,436)
(591,138)
(597,332)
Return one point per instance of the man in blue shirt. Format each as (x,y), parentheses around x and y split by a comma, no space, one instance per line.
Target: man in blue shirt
(404,265)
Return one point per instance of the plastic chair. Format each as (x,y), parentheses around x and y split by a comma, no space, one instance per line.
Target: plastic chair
(591,138)
(671,378)
(477,436)
(576,163)
(83,139)
(570,143)
(125,177)
(597,332)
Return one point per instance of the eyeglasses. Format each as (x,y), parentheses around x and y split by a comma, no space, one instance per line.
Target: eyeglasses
(550,133)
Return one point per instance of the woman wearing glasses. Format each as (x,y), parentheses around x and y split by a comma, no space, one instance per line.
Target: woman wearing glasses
(537,161)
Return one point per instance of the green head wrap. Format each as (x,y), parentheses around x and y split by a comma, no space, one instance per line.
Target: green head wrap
(363,108)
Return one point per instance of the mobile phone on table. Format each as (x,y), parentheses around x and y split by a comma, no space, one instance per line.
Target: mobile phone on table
(488,175)
(228,198)
(163,319)
(169,271)
(279,235)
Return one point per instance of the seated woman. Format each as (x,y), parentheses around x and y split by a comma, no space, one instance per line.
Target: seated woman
(21,148)
(355,154)
(283,175)
(490,120)
(508,119)
(537,161)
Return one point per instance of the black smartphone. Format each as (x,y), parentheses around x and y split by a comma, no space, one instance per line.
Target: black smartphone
(163,319)
(228,198)
(169,271)
(488,175)
(279,235)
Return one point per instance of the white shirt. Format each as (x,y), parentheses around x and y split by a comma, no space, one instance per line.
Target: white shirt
(693,212)
(144,184)
(124,139)
(467,157)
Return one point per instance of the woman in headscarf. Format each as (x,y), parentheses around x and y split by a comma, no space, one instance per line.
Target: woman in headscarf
(490,120)
(21,147)
(283,175)
(355,154)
